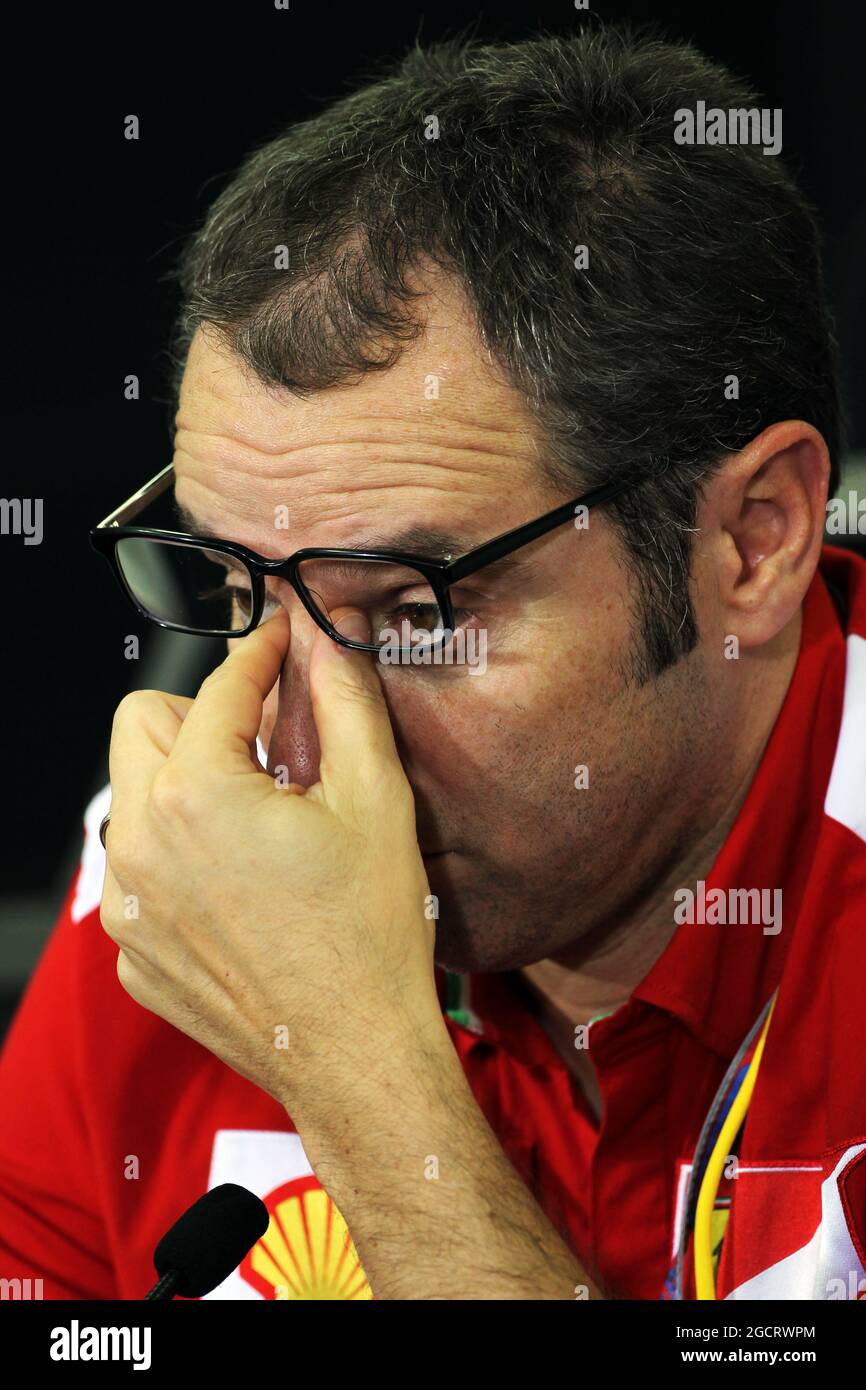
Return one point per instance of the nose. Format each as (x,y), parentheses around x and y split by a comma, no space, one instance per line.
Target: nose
(294,743)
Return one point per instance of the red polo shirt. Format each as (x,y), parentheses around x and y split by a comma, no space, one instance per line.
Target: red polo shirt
(114,1122)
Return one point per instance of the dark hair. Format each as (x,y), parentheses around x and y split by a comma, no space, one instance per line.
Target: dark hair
(703,262)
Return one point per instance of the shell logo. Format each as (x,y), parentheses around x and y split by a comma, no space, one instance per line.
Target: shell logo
(307,1251)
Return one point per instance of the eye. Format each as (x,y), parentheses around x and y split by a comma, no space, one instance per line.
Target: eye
(241,597)
(238,599)
(421,615)
(234,596)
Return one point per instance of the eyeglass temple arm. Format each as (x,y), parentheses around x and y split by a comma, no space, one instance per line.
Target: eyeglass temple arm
(522,535)
(155,488)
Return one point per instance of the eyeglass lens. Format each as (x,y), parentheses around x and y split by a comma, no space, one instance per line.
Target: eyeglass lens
(204,590)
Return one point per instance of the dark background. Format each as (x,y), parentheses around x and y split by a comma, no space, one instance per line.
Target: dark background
(97,222)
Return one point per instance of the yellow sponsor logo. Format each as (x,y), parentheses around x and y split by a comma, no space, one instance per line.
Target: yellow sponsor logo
(307,1251)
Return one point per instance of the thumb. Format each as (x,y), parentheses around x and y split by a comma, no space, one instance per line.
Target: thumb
(356,741)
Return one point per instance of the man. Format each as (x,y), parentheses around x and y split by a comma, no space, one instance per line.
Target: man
(482,960)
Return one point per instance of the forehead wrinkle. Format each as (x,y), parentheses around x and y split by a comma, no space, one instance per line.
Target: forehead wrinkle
(453,455)
(254,408)
(360,518)
(372,506)
(328,489)
(481,412)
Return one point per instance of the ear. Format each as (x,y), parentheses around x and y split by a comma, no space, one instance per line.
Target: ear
(762,525)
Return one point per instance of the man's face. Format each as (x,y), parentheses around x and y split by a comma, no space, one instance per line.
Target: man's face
(524,863)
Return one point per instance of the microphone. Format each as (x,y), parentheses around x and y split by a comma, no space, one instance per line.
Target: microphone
(208,1241)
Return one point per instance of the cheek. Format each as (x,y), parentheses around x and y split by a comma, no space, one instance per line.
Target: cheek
(462,736)
(501,747)
(431,728)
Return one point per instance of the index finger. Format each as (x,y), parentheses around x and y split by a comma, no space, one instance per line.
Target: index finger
(143,733)
(222,725)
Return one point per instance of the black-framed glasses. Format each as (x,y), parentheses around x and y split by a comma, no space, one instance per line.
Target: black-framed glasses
(217,588)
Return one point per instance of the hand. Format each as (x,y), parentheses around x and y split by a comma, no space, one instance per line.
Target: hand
(248,914)
(284,929)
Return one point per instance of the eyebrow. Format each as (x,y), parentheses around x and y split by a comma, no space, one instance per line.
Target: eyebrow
(426,542)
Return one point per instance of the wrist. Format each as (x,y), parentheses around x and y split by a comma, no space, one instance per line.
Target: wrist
(349,1057)
(364,1121)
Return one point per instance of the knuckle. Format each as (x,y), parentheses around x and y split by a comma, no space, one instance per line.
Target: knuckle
(170,797)
(122,853)
(350,691)
(366,695)
(105,919)
(133,708)
(127,975)
(226,673)
(109,922)
(212,678)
